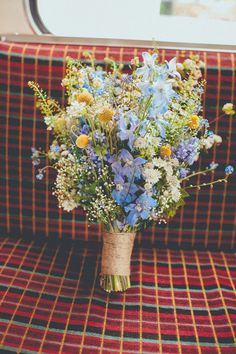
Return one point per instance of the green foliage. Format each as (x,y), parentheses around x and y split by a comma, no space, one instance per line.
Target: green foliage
(174,207)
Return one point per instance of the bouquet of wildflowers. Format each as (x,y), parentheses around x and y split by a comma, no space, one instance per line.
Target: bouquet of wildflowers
(124,147)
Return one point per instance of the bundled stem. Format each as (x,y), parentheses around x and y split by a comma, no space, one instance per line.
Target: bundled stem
(114,283)
(116,254)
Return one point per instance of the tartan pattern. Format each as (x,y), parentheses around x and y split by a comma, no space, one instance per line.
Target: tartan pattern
(27,207)
(51,301)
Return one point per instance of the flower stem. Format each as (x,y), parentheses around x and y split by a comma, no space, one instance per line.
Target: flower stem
(114,283)
(45,167)
(197,173)
(208,184)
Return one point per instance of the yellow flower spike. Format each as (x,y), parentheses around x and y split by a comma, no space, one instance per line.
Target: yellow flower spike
(82,141)
(59,125)
(194,122)
(106,115)
(165,151)
(85,97)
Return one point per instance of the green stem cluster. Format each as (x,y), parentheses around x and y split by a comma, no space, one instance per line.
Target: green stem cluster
(115,283)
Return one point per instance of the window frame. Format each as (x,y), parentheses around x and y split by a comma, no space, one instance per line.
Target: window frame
(36,23)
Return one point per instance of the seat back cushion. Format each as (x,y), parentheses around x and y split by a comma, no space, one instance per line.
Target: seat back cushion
(27,205)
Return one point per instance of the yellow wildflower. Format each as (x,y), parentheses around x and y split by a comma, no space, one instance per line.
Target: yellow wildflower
(165,151)
(82,141)
(85,97)
(228,108)
(194,122)
(106,115)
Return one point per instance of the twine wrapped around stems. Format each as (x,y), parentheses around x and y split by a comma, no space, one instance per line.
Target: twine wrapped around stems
(116,253)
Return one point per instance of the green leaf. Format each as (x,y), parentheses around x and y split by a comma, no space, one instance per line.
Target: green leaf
(100,151)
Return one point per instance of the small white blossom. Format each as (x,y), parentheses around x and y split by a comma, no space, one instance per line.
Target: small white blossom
(175,193)
(76,109)
(69,205)
(140,143)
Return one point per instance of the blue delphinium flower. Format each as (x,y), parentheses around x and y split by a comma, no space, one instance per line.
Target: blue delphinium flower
(161,91)
(87,87)
(55,148)
(146,88)
(140,209)
(162,95)
(229,170)
(124,193)
(204,123)
(131,168)
(127,125)
(126,167)
(171,68)
(160,123)
(149,66)
(100,91)
(99,74)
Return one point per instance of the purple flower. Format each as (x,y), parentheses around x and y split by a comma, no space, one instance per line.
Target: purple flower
(93,156)
(140,209)
(100,137)
(183,172)
(84,129)
(127,125)
(187,150)
(39,176)
(127,165)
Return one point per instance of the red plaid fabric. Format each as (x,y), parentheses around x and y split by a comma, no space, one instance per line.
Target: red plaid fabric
(27,206)
(51,302)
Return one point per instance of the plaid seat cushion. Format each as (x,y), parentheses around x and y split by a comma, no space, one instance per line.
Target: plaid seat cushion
(27,206)
(180,301)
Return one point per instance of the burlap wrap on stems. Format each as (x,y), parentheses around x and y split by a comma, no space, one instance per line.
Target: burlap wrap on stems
(116,253)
